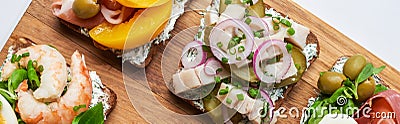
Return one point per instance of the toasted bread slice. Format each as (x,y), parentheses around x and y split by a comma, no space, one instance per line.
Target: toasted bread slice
(112,96)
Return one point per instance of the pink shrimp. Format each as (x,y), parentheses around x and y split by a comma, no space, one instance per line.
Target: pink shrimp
(79,92)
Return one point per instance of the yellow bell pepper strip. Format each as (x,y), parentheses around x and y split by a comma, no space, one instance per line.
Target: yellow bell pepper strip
(142,3)
(139,30)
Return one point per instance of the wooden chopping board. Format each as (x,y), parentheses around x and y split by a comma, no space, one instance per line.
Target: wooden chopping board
(39,25)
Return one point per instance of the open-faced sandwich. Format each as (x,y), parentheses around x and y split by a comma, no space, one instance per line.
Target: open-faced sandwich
(351,93)
(245,59)
(130,25)
(38,86)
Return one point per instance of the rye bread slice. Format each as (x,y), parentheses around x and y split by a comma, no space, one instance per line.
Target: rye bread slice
(22,42)
(311,39)
(85,33)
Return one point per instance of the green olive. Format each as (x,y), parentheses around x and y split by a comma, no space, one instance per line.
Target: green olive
(329,82)
(300,60)
(354,65)
(85,8)
(366,89)
(257,10)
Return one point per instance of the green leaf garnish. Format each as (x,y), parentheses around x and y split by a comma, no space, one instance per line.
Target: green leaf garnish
(92,116)
(380,88)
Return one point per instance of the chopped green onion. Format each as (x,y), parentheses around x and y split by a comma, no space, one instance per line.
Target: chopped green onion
(227,2)
(232,44)
(237,39)
(232,52)
(35,64)
(246,13)
(291,31)
(247,21)
(13,57)
(250,57)
(224,60)
(248,2)
(76,108)
(286,22)
(206,48)
(241,49)
(223,91)
(276,27)
(240,97)
(289,47)
(253,92)
(40,68)
(219,70)
(258,34)
(238,58)
(69,79)
(219,44)
(275,20)
(228,100)
(217,79)
(269,15)
(25,54)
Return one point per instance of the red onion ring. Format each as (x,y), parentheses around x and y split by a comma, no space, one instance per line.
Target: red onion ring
(257,22)
(257,59)
(199,58)
(265,95)
(211,67)
(218,53)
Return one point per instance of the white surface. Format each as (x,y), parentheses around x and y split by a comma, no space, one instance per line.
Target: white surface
(373,24)
(10,13)
(365,21)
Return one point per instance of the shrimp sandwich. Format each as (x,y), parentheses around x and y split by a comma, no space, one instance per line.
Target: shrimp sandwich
(246,58)
(40,87)
(118,24)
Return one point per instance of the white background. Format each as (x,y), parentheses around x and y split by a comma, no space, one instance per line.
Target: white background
(374,24)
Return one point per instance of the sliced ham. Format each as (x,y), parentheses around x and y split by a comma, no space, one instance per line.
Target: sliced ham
(384,102)
(116,16)
(63,10)
(111,4)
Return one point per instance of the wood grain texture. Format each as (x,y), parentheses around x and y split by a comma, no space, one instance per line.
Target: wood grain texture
(39,25)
